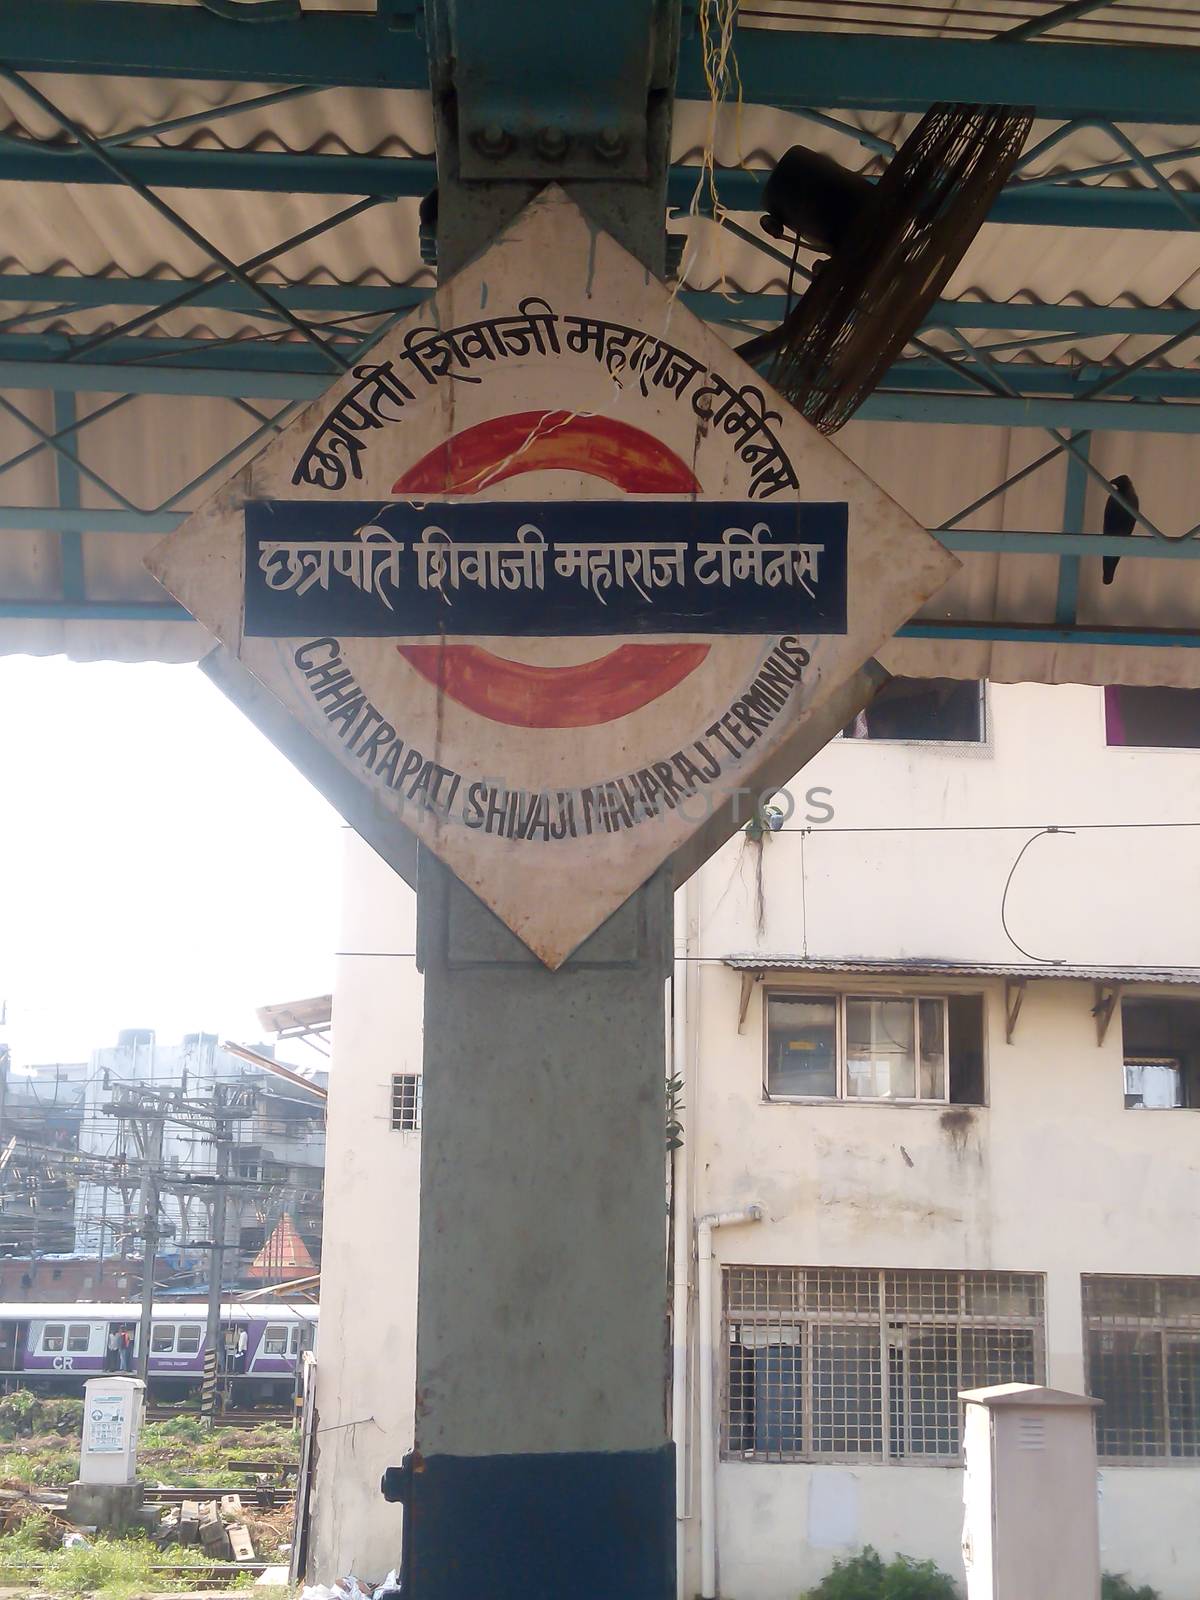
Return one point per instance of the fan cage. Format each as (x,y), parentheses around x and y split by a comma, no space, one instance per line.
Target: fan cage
(864,305)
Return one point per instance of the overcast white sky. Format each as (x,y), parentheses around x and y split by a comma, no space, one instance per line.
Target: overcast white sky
(161,865)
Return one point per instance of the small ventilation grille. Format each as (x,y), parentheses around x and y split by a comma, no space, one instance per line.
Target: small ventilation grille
(406,1101)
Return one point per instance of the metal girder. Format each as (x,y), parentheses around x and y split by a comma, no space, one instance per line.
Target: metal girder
(998,411)
(70,539)
(1035,205)
(1165,401)
(1037,633)
(792,70)
(1083,321)
(366,298)
(1074,499)
(394,177)
(1069,383)
(133,611)
(994,541)
(130,39)
(1073,546)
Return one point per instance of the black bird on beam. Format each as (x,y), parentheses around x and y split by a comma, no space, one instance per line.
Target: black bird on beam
(1118,522)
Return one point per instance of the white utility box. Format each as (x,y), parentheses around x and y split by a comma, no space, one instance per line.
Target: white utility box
(112,1419)
(1031,1527)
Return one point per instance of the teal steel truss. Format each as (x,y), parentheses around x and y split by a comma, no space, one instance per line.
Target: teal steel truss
(989,363)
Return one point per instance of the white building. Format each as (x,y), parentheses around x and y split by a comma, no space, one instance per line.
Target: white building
(950,1058)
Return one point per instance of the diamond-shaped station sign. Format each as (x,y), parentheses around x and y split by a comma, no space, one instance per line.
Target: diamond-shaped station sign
(552,574)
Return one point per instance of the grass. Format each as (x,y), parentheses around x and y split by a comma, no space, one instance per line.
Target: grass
(112,1569)
(180,1452)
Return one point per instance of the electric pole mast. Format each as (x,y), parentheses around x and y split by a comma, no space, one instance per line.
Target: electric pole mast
(150,1136)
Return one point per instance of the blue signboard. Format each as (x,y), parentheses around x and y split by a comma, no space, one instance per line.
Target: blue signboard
(558,568)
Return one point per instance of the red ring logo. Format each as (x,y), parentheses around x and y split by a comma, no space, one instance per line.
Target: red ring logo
(513,692)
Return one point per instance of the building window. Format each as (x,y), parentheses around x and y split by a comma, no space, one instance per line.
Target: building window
(1152,718)
(1161,1044)
(934,710)
(1143,1360)
(845,1363)
(875,1047)
(406,1101)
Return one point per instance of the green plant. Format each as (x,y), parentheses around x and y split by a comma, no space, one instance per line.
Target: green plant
(674,1107)
(1116,1586)
(867,1577)
(111,1569)
(17,1413)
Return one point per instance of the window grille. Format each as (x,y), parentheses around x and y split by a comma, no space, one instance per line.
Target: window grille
(848,1363)
(406,1101)
(1142,1338)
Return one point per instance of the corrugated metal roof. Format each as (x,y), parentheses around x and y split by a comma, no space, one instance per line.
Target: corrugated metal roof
(923,967)
(1165,22)
(152,447)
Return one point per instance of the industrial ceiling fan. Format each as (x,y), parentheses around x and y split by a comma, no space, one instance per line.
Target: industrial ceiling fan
(891,248)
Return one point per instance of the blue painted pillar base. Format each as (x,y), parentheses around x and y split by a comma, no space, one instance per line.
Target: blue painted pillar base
(578,1526)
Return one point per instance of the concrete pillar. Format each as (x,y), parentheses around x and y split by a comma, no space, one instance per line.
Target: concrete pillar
(1031,1527)
(542,1464)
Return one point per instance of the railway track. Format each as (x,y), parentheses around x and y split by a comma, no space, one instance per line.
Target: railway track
(262,1498)
(223,1572)
(224,1419)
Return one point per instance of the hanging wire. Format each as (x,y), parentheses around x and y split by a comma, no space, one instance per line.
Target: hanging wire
(1050,961)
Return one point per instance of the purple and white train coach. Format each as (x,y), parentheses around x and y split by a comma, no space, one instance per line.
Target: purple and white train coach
(259,1341)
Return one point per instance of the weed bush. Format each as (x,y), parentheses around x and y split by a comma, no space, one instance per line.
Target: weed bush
(1116,1586)
(112,1569)
(23,1415)
(867,1577)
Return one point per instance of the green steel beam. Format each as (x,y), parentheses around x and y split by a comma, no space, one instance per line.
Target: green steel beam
(1071,546)
(70,539)
(130,39)
(393,177)
(139,364)
(56,289)
(53,519)
(1037,205)
(90,611)
(791,70)
(1054,546)
(1066,603)
(1083,321)
(132,611)
(905,403)
(1035,633)
(96,377)
(998,411)
(367,299)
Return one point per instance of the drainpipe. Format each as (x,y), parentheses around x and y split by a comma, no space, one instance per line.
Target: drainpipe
(708,1384)
(682,1066)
